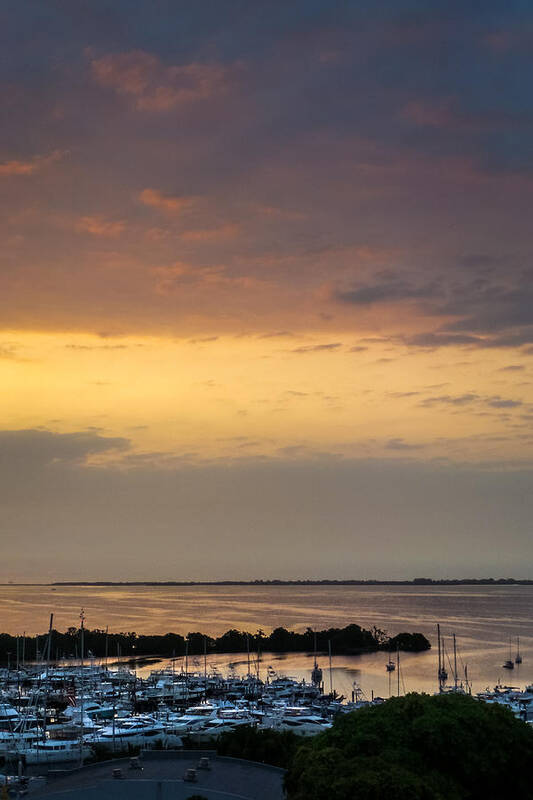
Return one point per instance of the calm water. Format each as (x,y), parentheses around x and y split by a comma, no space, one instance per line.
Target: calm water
(484,619)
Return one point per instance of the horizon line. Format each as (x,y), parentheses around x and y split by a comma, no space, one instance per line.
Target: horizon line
(284,582)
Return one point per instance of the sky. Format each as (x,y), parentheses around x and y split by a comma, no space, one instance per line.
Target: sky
(266,289)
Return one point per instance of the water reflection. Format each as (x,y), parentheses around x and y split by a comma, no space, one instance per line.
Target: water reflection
(483,618)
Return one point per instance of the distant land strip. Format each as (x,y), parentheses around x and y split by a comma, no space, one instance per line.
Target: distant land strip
(414,582)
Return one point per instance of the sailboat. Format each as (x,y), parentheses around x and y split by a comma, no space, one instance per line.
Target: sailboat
(442,675)
(518,657)
(509,664)
(316,674)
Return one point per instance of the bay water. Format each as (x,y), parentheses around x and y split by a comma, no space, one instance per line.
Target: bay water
(487,622)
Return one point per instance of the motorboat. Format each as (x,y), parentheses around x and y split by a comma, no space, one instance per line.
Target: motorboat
(194,719)
(52,751)
(299,719)
(92,709)
(11,740)
(141,731)
(225,721)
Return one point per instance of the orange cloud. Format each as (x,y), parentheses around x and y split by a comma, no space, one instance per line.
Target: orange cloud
(99,226)
(229,231)
(156,87)
(165,202)
(30,166)
(180,274)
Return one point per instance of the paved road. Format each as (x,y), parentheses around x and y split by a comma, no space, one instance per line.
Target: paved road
(162,777)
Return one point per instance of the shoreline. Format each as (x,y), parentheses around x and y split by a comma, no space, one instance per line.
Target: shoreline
(297,582)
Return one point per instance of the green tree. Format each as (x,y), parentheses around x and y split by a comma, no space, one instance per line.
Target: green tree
(269,747)
(417,747)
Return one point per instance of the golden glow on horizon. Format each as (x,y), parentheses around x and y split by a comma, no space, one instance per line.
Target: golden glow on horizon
(249,396)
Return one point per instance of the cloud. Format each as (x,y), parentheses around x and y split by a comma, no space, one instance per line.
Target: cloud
(468,398)
(492,309)
(173,204)
(498,402)
(99,226)
(317,348)
(156,87)
(229,231)
(431,340)
(271,506)
(276,335)
(482,311)
(40,448)
(89,347)
(400,444)
(446,113)
(181,275)
(434,339)
(446,399)
(385,292)
(9,352)
(30,166)
(512,368)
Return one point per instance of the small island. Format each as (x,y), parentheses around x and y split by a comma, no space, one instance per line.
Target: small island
(350,640)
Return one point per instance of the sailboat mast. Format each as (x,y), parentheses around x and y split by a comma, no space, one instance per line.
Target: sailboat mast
(439,674)
(330,669)
(205,666)
(82,637)
(48,645)
(398,669)
(454,663)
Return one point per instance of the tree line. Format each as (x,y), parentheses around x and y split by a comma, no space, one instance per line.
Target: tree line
(350,640)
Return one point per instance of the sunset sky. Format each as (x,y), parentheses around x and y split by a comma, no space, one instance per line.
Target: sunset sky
(266,289)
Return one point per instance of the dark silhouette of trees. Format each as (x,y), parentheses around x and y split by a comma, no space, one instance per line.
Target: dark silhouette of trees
(417,747)
(349,640)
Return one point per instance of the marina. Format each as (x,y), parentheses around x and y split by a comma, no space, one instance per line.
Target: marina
(82,709)
(483,618)
(57,710)
(70,713)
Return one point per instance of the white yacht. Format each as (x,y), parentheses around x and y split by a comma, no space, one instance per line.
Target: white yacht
(91,709)
(194,719)
(52,751)
(142,731)
(225,720)
(12,740)
(299,719)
